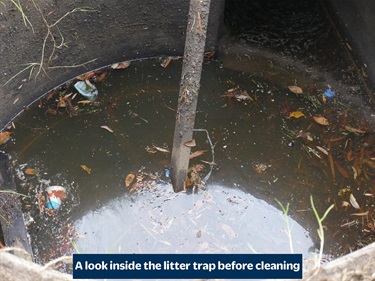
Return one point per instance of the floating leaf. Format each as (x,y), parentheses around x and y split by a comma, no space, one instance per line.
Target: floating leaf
(209,54)
(355,173)
(101,77)
(354,130)
(31,172)
(41,202)
(353,201)
(161,149)
(190,143)
(129,179)
(209,163)
(4,137)
(332,164)
(321,120)
(296,114)
(150,149)
(134,186)
(197,153)
(86,169)
(86,76)
(342,171)
(166,61)
(84,102)
(243,96)
(364,214)
(120,65)
(107,128)
(198,234)
(295,89)
(322,150)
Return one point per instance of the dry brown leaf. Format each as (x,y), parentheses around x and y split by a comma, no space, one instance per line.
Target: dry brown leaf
(364,214)
(342,171)
(209,54)
(31,172)
(107,128)
(166,62)
(129,179)
(197,153)
(200,23)
(321,120)
(101,77)
(120,65)
(161,149)
(4,137)
(86,169)
(134,187)
(332,164)
(354,130)
(190,143)
(295,89)
(41,202)
(86,76)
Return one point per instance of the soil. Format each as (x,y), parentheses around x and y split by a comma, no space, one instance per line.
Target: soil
(107,31)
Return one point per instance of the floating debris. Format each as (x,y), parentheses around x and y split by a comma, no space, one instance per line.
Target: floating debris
(329,93)
(295,89)
(86,169)
(129,179)
(120,65)
(4,137)
(55,196)
(87,89)
(354,202)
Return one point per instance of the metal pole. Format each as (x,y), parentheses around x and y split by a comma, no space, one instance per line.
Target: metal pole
(189,88)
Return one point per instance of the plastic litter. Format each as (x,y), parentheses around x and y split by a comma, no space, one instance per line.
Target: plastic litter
(329,93)
(53,203)
(87,90)
(167,173)
(55,196)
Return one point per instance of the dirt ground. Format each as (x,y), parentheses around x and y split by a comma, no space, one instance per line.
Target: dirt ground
(94,35)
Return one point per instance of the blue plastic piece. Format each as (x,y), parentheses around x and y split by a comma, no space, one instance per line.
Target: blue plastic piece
(87,90)
(52,205)
(329,93)
(167,173)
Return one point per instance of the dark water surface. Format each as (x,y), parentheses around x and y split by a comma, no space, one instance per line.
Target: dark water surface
(262,154)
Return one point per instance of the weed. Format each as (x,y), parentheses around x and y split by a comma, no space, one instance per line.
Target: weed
(26,20)
(286,219)
(53,34)
(320,229)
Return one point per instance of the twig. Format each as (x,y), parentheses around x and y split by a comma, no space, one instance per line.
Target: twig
(212,152)
(14,192)
(72,66)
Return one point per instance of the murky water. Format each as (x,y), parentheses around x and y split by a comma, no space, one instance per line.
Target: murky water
(270,143)
(262,153)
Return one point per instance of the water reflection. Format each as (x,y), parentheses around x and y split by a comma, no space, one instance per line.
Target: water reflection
(219,220)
